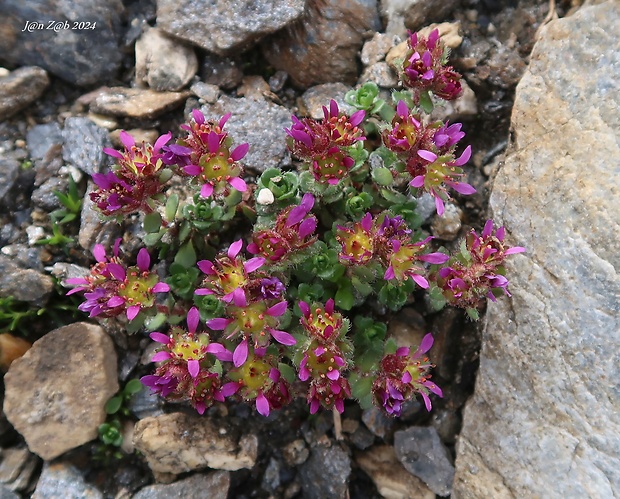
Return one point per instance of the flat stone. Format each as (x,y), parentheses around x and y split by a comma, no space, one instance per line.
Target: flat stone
(391,479)
(315,98)
(23,284)
(178,442)
(66,481)
(267,141)
(9,171)
(545,416)
(447,226)
(422,454)
(381,74)
(163,63)
(48,33)
(213,485)
(83,144)
(225,26)
(17,467)
(375,49)
(21,88)
(56,392)
(41,138)
(137,103)
(224,72)
(403,15)
(323,46)
(93,229)
(325,473)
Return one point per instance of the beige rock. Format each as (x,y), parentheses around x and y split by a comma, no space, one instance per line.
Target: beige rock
(392,480)
(163,63)
(449,33)
(56,392)
(545,416)
(136,102)
(177,443)
(20,88)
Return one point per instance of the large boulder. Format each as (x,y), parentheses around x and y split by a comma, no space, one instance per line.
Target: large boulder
(545,417)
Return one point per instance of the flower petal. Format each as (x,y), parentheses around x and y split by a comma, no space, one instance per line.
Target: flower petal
(160,287)
(240,355)
(234,249)
(193,318)
(282,337)
(206,190)
(238,183)
(133,311)
(218,324)
(160,337)
(253,263)
(161,356)
(278,309)
(117,271)
(240,151)
(144,260)
(193,367)
(262,404)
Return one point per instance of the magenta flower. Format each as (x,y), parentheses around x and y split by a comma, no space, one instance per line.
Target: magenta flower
(229,276)
(111,288)
(480,272)
(403,261)
(323,145)
(207,155)
(424,68)
(401,375)
(135,181)
(328,393)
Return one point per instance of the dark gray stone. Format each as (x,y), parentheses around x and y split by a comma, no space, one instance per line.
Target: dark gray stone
(9,171)
(225,72)
(83,144)
(23,284)
(422,454)
(325,473)
(213,485)
(41,138)
(225,26)
(44,197)
(20,88)
(79,56)
(378,422)
(260,123)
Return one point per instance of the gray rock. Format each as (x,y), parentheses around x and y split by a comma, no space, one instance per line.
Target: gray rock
(17,467)
(66,481)
(20,88)
(9,171)
(162,62)
(79,56)
(136,102)
(463,108)
(325,473)
(545,415)
(7,493)
(315,98)
(380,73)
(177,443)
(225,72)
(375,49)
(41,138)
(213,485)
(93,229)
(267,140)
(447,226)
(391,479)
(83,144)
(323,46)
(205,91)
(271,478)
(225,26)
(378,422)
(146,404)
(23,284)
(402,15)
(44,197)
(56,392)
(422,454)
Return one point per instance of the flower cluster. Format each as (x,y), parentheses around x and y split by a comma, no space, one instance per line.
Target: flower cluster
(136,180)
(335,244)
(387,240)
(424,67)
(187,366)
(477,271)
(205,154)
(112,289)
(401,375)
(428,153)
(323,144)
(324,356)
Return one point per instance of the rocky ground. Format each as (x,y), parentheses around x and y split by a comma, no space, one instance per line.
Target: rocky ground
(67,94)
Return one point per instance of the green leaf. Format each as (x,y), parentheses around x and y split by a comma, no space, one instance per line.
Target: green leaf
(156,322)
(287,372)
(152,222)
(133,386)
(344,296)
(114,404)
(186,255)
(382,176)
(361,389)
(153,239)
(426,103)
(172,205)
